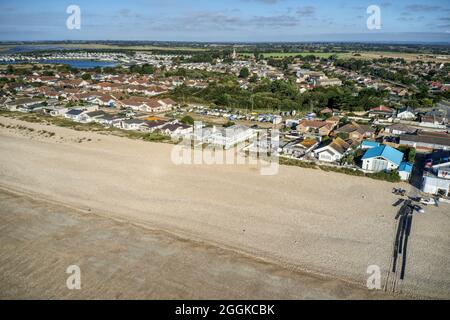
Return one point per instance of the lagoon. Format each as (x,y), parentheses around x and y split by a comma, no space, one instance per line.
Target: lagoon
(82,64)
(75,63)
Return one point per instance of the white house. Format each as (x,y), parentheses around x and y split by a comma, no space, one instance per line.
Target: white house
(24,102)
(91,116)
(406,114)
(382,158)
(331,151)
(58,111)
(176,130)
(405,170)
(436,179)
(228,137)
(74,114)
(132,124)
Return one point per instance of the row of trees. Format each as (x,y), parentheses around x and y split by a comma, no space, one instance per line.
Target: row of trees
(280,95)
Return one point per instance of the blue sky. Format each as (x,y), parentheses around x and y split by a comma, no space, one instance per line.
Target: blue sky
(228,20)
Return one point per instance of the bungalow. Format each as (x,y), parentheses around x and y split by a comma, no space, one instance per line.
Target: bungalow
(110,120)
(328,82)
(176,130)
(367,144)
(91,116)
(31,107)
(106,100)
(382,158)
(13,105)
(405,170)
(399,129)
(168,103)
(75,83)
(74,114)
(356,131)
(433,118)
(133,124)
(4,100)
(105,86)
(436,179)
(331,150)
(326,111)
(154,90)
(57,111)
(333,120)
(50,80)
(299,148)
(231,136)
(426,141)
(381,112)
(155,105)
(152,126)
(136,103)
(406,114)
(315,127)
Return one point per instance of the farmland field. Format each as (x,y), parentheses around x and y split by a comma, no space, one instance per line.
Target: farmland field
(367,55)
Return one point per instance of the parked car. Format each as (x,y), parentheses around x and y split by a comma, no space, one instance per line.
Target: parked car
(399,191)
(428,201)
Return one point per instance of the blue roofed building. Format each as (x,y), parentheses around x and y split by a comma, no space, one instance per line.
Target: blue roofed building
(368,144)
(405,170)
(382,158)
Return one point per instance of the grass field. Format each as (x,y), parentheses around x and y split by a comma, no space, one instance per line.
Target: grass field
(367,55)
(291,54)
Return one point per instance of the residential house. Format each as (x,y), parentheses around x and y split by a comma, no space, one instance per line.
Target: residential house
(176,130)
(326,111)
(133,124)
(426,141)
(110,120)
(57,111)
(74,114)
(152,126)
(382,158)
(91,116)
(231,136)
(436,179)
(356,131)
(328,82)
(406,114)
(136,103)
(405,170)
(315,127)
(368,144)
(381,112)
(31,108)
(399,129)
(106,100)
(21,102)
(334,121)
(434,119)
(331,150)
(300,147)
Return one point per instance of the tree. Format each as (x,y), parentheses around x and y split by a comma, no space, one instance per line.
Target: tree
(86,76)
(343,135)
(244,73)
(10,69)
(187,120)
(147,69)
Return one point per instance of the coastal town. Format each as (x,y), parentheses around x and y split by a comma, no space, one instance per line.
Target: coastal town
(389,138)
(218,157)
